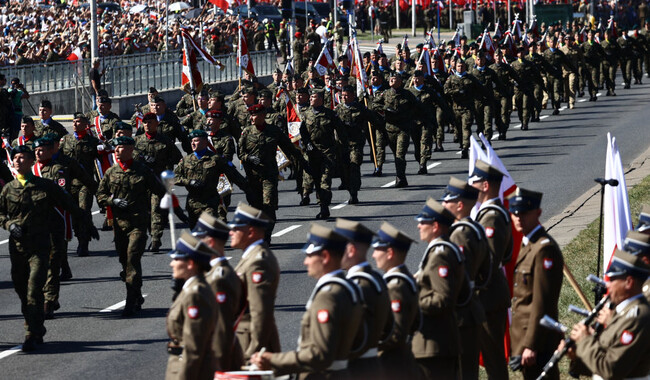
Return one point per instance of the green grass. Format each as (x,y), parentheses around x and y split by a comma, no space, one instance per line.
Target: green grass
(580,257)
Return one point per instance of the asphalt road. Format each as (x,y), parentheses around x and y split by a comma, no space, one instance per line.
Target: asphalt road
(559,156)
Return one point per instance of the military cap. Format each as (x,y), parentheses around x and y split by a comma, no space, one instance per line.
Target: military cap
(249,90)
(104,99)
(644,219)
(122,140)
(189,247)
(389,236)
(27,119)
(342,57)
(22,149)
(348,88)
(198,133)
(246,215)
(152,90)
(457,188)
(626,264)
(217,95)
(122,126)
(158,99)
(637,243)
(43,141)
(316,91)
(485,172)
(256,108)
(382,55)
(302,90)
(418,73)
(354,231)
(523,200)
(266,93)
(204,94)
(149,116)
(376,73)
(278,71)
(79,115)
(215,114)
(321,237)
(52,136)
(419,46)
(395,74)
(433,211)
(208,225)
(46,104)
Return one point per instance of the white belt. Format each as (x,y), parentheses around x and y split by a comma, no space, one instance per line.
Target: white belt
(371,353)
(596,377)
(338,365)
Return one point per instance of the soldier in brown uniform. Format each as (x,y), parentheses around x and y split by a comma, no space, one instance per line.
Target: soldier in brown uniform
(638,243)
(395,353)
(621,351)
(260,273)
(192,317)
(536,287)
(332,318)
(227,288)
(436,344)
(495,295)
(460,197)
(377,318)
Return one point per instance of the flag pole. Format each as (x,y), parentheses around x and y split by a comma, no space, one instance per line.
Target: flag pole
(240,36)
(603,182)
(372,140)
(576,287)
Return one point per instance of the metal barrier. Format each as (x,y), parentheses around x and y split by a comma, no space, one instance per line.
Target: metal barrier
(132,74)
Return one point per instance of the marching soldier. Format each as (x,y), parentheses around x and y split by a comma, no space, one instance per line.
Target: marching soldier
(503,96)
(28,135)
(570,78)
(436,343)
(26,206)
(557,61)
(485,105)
(332,318)
(377,319)
(495,295)
(103,120)
(621,349)
(258,146)
(524,90)
(81,146)
(227,288)
(199,172)
(185,106)
(169,124)
(260,275)
(537,282)
(196,119)
(395,355)
(192,317)
(422,130)
(158,153)
(47,124)
(594,55)
(223,145)
(610,63)
(626,56)
(239,111)
(540,87)
(126,188)
(377,87)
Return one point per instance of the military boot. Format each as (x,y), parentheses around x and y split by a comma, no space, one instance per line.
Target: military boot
(82,249)
(438,147)
(155,245)
(324,213)
(423,169)
(304,201)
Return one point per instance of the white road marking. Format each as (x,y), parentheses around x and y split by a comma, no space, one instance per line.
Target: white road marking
(389,184)
(562,108)
(433,165)
(118,305)
(582,100)
(4,241)
(286,230)
(10,351)
(543,117)
(517,126)
(340,206)
(598,94)
(95,212)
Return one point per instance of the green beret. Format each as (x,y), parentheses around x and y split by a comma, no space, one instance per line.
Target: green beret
(198,133)
(122,140)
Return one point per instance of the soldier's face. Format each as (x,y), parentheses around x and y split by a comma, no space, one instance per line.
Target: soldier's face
(618,288)
(266,102)
(418,80)
(179,269)
(44,113)
(315,100)
(302,98)
(460,66)
(381,257)
(159,108)
(395,82)
(375,80)
(104,108)
(150,126)
(525,221)
(27,129)
(199,143)
(238,237)
(480,61)
(213,103)
(314,264)
(79,125)
(23,163)
(258,118)
(43,153)
(124,152)
(427,231)
(249,99)
(203,102)
(347,97)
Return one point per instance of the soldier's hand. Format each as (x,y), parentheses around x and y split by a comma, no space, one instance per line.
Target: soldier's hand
(261,360)
(579,331)
(253,160)
(120,203)
(195,183)
(605,315)
(16,231)
(528,357)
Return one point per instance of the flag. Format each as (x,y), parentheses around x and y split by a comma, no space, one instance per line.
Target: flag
(487,45)
(425,60)
(405,42)
(357,69)
(324,61)
(497,32)
(243,58)
(293,120)
(75,55)
(380,49)
(616,206)
(612,27)
(191,76)
(223,4)
(516,29)
(456,38)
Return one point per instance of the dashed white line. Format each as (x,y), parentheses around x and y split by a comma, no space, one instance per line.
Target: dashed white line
(562,108)
(543,117)
(389,184)
(433,165)
(286,230)
(118,305)
(10,351)
(598,94)
(95,212)
(340,206)
(582,100)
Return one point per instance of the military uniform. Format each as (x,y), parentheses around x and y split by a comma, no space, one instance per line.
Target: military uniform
(610,63)
(557,61)
(30,206)
(132,182)
(503,96)
(464,90)
(44,127)
(185,106)
(626,57)
(485,105)
(195,120)
(593,54)
(569,77)
(524,90)
(379,128)
(171,127)
(102,126)
(423,128)
(24,140)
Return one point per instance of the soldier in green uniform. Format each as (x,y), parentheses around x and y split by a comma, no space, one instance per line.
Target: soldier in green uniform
(378,86)
(395,355)
(422,130)
(645,32)
(594,55)
(557,61)
(610,63)
(298,48)
(28,135)
(239,111)
(503,96)
(126,187)
(196,119)
(485,105)
(524,89)
(283,38)
(258,146)
(169,125)
(332,317)
(464,89)
(47,124)
(540,88)
(377,319)
(158,153)
(81,146)
(320,129)
(191,319)
(536,289)
(103,120)
(272,116)
(626,56)
(26,206)
(185,106)
(570,78)
(436,343)
(199,172)
(223,145)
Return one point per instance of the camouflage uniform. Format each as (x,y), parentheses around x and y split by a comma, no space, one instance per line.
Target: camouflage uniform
(239,116)
(593,55)
(464,91)
(569,77)
(185,106)
(524,95)
(30,207)
(503,96)
(157,153)
(626,57)
(422,131)
(485,104)
(135,184)
(610,63)
(195,120)
(105,122)
(557,62)
(171,127)
(52,126)
(202,194)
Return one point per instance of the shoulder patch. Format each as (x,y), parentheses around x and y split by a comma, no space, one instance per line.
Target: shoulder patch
(443,271)
(256,277)
(323,316)
(221,297)
(193,312)
(489,231)
(548,263)
(396,306)
(627,337)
